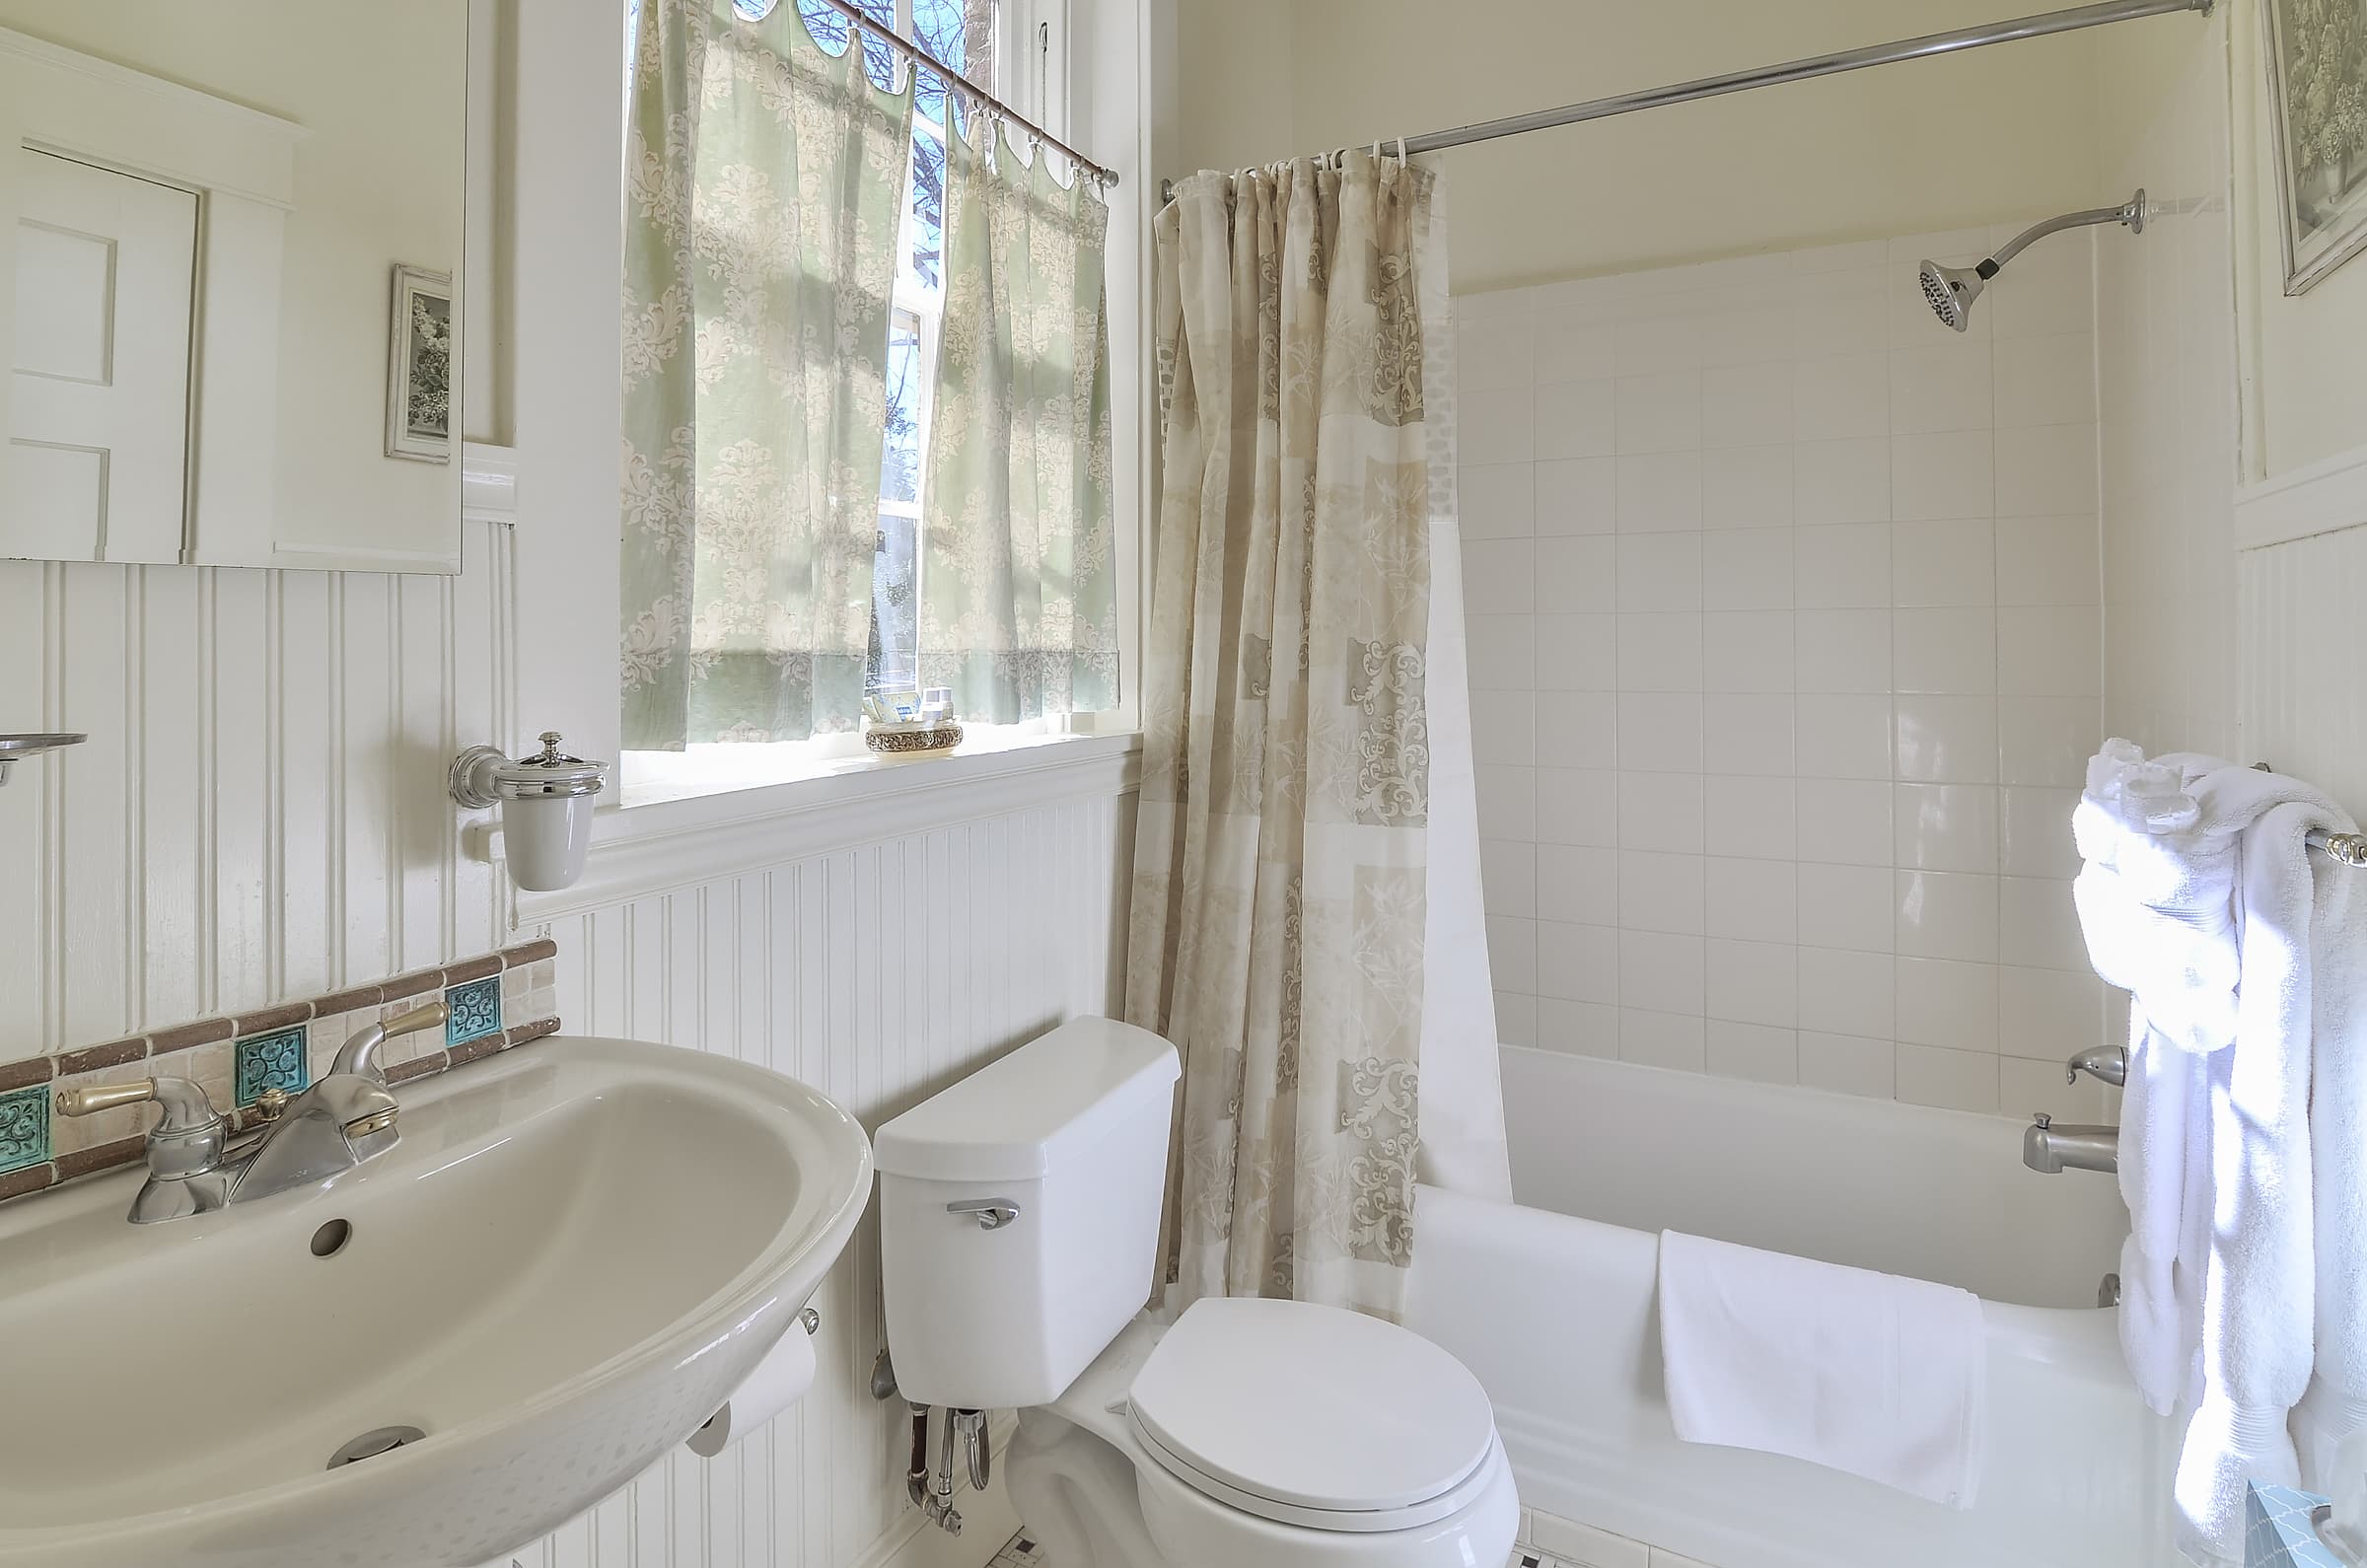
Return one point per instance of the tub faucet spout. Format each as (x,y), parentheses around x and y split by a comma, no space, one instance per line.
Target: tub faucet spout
(2051,1150)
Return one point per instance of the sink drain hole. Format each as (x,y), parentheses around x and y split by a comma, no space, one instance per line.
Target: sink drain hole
(370,1445)
(330,1239)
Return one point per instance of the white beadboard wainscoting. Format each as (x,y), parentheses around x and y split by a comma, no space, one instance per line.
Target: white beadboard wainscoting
(259,809)
(878,973)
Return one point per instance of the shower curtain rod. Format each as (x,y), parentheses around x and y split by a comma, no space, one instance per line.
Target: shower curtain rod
(2038,27)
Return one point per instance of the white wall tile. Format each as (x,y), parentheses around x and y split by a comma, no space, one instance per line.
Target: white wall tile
(1753,982)
(1947,1002)
(1808,660)
(1512,952)
(1581,496)
(1747,650)
(1516,1017)
(1659,491)
(1495,502)
(1496,424)
(1843,735)
(1945,651)
(1841,481)
(1751,816)
(1570,653)
(1951,563)
(1657,412)
(1662,972)
(1494,353)
(1747,569)
(1938,385)
(1947,740)
(1661,810)
(1655,571)
(1575,883)
(1948,1079)
(1746,405)
(1755,1051)
(1659,891)
(1839,396)
(1842,566)
(1748,487)
(1935,477)
(1847,906)
(1662,1039)
(1499,576)
(1577,963)
(1576,806)
(1847,1064)
(1577,573)
(1575,419)
(1846,821)
(1752,730)
(1948,915)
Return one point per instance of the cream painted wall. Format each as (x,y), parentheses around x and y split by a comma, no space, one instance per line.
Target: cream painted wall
(1901,150)
(367,197)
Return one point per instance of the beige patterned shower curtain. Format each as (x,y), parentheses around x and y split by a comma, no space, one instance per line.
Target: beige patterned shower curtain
(1282,866)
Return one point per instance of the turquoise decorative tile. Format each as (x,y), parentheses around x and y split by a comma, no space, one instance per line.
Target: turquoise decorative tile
(272,1061)
(24,1129)
(475,1010)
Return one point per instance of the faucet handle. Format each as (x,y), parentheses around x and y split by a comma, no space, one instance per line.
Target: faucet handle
(186,1107)
(360,1053)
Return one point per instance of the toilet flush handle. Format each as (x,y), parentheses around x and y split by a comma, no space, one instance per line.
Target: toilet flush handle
(992,1214)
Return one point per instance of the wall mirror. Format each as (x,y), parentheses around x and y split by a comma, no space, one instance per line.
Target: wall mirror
(229,278)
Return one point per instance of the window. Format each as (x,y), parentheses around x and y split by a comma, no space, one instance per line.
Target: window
(961,34)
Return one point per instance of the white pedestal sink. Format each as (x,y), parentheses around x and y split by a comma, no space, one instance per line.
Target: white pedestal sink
(575,1254)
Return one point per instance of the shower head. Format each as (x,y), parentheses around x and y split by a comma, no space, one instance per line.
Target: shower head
(1950,290)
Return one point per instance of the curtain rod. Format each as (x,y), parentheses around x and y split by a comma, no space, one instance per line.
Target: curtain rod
(1935,43)
(981,100)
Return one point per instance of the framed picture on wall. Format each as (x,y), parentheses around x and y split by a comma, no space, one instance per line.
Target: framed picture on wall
(419,367)
(2318,110)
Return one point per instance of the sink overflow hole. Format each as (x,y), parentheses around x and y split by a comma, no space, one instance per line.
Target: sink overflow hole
(370,1445)
(330,1239)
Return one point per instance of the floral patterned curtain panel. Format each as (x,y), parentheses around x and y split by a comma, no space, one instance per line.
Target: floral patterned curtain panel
(1019,603)
(765,178)
(1281,847)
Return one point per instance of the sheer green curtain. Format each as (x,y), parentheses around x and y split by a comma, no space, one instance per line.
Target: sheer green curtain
(764,179)
(1019,604)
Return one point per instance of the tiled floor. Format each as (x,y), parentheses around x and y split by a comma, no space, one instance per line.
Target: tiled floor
(1018,1552)
(1021,1552)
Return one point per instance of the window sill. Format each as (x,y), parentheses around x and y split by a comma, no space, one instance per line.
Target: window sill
(675,835)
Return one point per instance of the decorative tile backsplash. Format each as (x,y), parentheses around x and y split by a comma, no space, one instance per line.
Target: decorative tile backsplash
(497,1001)
(271,1061)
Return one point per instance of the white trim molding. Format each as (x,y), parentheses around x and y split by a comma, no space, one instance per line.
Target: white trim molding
(639,850)
(2323,498)
(489,483)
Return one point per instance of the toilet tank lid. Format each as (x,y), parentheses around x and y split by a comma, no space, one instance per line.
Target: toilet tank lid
(1012,1119)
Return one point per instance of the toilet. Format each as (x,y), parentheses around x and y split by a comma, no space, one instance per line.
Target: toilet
(1018,1234)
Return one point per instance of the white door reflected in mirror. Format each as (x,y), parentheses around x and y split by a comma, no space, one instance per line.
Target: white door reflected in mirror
(98,419)
(205,214)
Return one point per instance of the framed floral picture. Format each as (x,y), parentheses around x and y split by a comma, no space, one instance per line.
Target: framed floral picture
(419,367)
(2318,110)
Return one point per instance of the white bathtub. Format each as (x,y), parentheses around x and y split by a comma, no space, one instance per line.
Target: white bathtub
(1551,1303)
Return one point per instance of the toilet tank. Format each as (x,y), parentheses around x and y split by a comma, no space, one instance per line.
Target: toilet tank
(1069,1134)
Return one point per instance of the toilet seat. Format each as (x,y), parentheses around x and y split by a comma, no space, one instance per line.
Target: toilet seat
(1314,1417)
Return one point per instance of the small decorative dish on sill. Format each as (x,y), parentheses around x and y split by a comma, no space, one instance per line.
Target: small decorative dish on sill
(905,726)
(913,738)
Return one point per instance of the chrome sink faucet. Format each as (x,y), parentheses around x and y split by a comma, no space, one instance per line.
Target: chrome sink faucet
(345,1119)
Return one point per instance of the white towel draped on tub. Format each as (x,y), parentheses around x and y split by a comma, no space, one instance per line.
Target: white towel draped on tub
(2241,1154)
(1879,1375)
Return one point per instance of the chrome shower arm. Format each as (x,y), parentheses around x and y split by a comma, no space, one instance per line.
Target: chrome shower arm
(2130,212)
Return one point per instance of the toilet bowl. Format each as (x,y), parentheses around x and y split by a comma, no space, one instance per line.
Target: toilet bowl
(1019,1228)
(1266,1434)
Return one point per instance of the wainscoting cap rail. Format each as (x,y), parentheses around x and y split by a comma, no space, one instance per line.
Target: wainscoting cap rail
(639,850)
